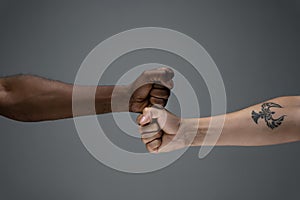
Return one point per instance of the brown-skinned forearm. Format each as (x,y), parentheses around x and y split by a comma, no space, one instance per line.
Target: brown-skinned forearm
(31,98)
(240,128)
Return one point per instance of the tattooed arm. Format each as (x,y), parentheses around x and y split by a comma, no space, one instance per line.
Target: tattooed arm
(273,122)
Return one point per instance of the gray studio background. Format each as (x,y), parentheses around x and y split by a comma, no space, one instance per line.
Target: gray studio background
(254,43)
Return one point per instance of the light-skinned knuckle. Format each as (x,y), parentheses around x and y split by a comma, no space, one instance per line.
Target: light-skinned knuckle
(146,110)
(144,140)
(140,129)
(149,148)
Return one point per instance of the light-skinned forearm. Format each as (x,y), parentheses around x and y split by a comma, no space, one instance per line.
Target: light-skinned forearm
(240,129)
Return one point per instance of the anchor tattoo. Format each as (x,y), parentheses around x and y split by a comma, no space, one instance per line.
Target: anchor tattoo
(267,114)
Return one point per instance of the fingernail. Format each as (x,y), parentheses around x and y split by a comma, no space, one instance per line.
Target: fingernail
(143,120)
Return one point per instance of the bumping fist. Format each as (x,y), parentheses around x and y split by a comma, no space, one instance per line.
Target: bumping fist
(160,130)
(151,87)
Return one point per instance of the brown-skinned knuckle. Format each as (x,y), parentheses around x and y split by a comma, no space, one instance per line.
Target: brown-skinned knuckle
(158,101)
(160,93)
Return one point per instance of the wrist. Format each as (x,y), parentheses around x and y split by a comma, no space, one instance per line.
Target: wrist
(120,98)
(192,131)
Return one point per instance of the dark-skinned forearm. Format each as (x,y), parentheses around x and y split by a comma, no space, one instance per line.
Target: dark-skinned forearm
(31,98)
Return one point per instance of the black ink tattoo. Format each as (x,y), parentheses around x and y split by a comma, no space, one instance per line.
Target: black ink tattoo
(267,114)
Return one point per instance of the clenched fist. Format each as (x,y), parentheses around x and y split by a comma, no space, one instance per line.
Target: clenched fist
(151,87)
(162,131)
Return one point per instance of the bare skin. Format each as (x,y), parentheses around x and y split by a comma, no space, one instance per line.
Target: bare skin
(30,98)
(162,131)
